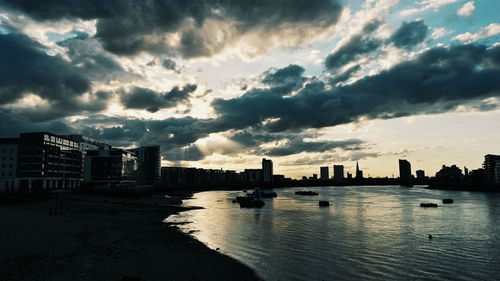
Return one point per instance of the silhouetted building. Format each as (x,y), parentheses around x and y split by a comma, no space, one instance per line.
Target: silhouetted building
(476,176)
(449,175)
(338,172)
(324,173)
(47,161)
(267,170)
(148,164)
(359,173)
(110,168)
(8,164)
(252,175)
(420,174)
(404,171)
(278,178)
(349,175)
(184,176)
(491,167)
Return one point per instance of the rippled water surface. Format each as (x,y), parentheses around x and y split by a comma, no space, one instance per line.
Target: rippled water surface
(367,233)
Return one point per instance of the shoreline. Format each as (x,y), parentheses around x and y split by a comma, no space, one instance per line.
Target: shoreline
(101,238)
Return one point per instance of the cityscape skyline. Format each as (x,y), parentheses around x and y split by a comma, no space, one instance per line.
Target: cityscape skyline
(43,160)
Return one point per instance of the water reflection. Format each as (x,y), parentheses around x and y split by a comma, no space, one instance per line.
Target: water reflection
(367,233)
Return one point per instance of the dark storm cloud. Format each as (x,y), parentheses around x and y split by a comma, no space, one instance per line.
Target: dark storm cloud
(290,76)
(12,124)
(409,34)
(298,145)
(344,76)
(360,44)
(25,69)
(437,81)
(170,65)
(141,98)
(406,36)
(91,60)
(129,27)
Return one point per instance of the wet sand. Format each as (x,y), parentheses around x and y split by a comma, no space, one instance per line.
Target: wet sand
(99,238)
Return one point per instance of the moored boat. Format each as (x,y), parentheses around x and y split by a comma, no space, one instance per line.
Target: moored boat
(428,205)
(309,193)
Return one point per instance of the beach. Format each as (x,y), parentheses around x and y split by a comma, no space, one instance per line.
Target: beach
(101,238)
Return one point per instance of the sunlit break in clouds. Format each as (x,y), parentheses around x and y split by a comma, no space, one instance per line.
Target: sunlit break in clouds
(222,84)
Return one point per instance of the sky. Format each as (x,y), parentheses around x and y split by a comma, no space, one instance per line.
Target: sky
(223,84)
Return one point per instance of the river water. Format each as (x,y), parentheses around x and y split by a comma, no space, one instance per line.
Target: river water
(367,233)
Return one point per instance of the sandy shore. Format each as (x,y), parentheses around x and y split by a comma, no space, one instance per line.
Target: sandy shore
(99,238)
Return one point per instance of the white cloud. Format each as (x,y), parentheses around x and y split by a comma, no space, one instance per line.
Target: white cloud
(467,9)
(485,32)
(439,32)
(425,5)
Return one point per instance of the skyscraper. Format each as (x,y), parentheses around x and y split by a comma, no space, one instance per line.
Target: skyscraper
(149,164)
(324,173)
(338,172)
(404,172)
(267,170)
(359,173)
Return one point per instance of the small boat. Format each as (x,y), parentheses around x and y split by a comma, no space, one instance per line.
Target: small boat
(308,193)
(447,201)
(249,202)
(324,203)
(428,205)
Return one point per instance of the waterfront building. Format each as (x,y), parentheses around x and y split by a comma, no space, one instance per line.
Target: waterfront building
(149,164)
(451,174)
(180,176)
(491,167)
(404,171)
(267,170)
(8,164)
(338,172)
(47,161)
(324,173)
(111,168)
(420,174)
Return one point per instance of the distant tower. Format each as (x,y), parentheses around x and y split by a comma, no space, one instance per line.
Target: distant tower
(404,171)
(324,173)
(267,170)
(338,172)
(359,173)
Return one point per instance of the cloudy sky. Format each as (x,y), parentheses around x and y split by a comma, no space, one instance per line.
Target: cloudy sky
(221,84)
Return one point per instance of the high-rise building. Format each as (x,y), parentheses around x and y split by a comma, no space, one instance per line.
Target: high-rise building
(491,167)
(324,173)
(338,172)
(404,171)
(359,173)
(267,170)
(148,164)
